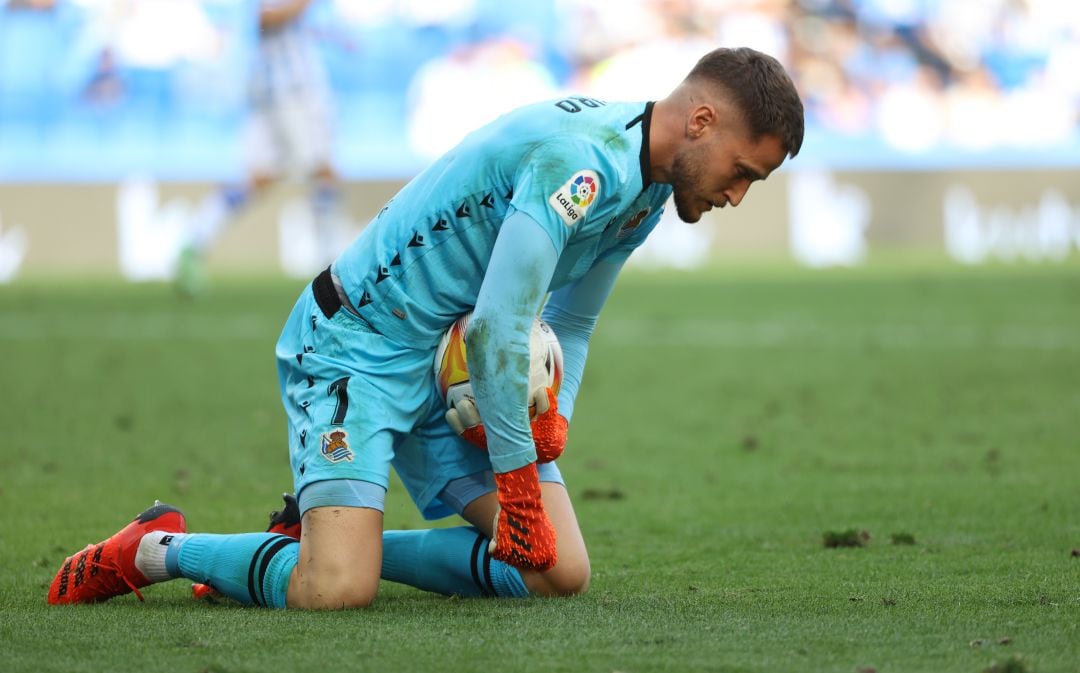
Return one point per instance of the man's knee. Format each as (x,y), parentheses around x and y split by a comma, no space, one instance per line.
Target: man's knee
(340,559)
(328,590)
(569,577)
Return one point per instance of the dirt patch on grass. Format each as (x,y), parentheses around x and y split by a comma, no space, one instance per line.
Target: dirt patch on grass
(1013,664)
(602,494)
(852,537)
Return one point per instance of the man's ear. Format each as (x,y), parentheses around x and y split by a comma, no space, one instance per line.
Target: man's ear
(701,118)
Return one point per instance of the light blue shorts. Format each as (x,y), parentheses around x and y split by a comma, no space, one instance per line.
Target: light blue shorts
(358,403)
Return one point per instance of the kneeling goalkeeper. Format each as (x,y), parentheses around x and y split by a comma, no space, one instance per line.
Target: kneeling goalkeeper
(551,198)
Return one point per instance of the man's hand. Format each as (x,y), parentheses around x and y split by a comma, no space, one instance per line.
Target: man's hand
(523,535)
(464,419)
(548,425)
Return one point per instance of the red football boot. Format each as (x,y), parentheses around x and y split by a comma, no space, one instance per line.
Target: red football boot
(107,569)
(287,521)
(200,591)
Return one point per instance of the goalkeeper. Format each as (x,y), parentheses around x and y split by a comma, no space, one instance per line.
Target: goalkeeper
(551,198)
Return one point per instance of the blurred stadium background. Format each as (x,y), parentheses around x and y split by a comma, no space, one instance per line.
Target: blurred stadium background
(948,128)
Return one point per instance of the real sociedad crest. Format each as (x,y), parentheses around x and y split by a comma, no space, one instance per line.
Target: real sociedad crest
(335,446)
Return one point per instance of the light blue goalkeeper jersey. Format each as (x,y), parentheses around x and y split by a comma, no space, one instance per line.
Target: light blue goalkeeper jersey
(574,169)
(573,165)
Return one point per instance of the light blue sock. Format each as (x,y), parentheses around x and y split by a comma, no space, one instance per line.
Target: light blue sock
(252,568)
(451,561)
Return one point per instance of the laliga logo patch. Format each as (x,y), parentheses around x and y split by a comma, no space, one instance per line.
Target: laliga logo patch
(583,190)
(630,225)
(574,198)
(335,448)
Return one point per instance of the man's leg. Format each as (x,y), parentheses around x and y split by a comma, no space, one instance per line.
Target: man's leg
(209,220)
(252,568)
(449,561)
(340,555)
(456,560)
(155,547)
(571,573)
(349,393)
(328,213)
(263,157)
(334,566)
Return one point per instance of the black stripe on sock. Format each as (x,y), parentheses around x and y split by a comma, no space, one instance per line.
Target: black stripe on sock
(487,571)
(251,569)
(280,543)
(481,541)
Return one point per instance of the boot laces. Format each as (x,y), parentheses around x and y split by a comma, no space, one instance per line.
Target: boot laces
(111,582)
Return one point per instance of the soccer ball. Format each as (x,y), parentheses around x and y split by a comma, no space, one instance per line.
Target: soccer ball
(452,373)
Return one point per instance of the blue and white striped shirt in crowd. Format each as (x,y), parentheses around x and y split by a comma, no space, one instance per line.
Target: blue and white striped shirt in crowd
(287,61)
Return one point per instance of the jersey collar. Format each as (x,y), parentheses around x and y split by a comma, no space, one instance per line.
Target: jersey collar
(645,118)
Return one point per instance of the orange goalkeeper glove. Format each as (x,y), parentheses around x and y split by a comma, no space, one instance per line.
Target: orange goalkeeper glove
(523,535)
(548,426)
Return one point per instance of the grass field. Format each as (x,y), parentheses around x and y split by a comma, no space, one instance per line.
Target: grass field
(728,421)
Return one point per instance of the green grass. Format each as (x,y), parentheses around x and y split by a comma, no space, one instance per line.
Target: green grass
(728,422)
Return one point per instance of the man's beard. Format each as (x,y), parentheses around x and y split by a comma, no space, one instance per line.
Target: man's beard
(688,165)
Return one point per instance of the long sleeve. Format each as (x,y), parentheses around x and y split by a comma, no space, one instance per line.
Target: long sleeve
(572,313)
(518,275)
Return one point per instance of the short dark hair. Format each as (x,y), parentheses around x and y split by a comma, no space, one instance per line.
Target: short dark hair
(761,88)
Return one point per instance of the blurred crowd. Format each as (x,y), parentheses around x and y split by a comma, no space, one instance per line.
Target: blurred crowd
(916,73)
(891,77)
